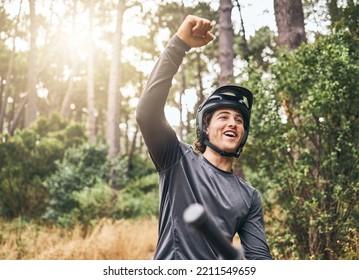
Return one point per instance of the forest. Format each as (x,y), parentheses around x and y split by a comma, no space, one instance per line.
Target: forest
(74,166)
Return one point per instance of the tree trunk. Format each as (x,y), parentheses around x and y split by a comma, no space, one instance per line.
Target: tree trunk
(65,107)
(91,119)
(290,23)
(66,103)
(4,94)
(31,110)
(113,133)
(200,87)
(225,41)
(15,120)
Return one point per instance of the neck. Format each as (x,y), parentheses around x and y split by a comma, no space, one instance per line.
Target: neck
(221,162)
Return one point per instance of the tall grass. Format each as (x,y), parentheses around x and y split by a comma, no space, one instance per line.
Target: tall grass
(107,240)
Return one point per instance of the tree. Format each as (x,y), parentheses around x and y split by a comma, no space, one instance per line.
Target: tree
(112,114)
(290,23)
(65,106)
(225,41)
(31,110)
(340,14)
(307,163)
(9,73)
(91,118)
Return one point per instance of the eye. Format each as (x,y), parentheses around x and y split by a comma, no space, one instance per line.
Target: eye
(222,117)
(239,120)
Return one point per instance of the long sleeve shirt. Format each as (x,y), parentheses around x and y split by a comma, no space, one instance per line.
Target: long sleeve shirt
(186,177)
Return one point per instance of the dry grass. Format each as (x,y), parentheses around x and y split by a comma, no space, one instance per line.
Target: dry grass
(108,240)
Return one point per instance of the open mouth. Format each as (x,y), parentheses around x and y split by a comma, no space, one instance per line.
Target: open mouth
(230,134)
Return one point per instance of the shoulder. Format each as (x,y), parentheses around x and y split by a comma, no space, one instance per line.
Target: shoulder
(188,150)
(245,184)
(252,192)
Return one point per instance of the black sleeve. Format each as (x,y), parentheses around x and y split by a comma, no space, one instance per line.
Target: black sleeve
(160,138)
(252,233)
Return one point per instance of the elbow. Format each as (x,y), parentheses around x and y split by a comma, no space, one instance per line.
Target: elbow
(142,114)
(148,111)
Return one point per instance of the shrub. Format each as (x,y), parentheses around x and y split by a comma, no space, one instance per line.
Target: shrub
(140,197)
(80,168)
(25,160)
(305,147)
(94,203)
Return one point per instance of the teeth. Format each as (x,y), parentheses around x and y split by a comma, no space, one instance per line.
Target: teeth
(230,134)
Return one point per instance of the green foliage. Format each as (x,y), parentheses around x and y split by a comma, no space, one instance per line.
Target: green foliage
(257,48)
(140,198)
(27,159)
(139,167)
(80,168)
(87,185)
(94,203)
(304,145)
(49,171)
(345,17)
(117,173)
(69,133)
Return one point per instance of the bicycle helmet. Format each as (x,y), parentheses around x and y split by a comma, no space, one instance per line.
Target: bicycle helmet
(230,96)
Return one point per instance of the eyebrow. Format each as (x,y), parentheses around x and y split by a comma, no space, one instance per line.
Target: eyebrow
(228,113)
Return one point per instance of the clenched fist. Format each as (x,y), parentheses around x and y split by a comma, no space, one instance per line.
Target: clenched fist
(195,31)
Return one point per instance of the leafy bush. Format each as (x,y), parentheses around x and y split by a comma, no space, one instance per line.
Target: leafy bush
(80,168)
(94,203)
(81,188)
(140,167)
(117,172)
(304,146)
(80,192)
(140,197)
(50,172)
(27,159)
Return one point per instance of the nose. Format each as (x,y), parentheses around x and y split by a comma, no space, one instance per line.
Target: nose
(232,122)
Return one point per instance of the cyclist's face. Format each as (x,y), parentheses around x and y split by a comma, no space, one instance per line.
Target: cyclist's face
(226,129)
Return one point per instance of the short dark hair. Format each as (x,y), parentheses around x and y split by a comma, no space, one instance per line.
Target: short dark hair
(198,145)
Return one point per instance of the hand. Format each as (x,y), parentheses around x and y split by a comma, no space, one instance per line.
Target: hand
(195,31)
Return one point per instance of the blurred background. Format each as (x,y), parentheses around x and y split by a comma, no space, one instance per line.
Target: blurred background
(76,181)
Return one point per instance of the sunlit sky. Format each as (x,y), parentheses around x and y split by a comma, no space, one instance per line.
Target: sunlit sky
(255,13)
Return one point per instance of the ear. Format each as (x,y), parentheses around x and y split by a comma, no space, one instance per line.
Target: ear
(205,129)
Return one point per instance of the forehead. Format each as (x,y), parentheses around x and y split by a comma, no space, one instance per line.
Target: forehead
(231,111)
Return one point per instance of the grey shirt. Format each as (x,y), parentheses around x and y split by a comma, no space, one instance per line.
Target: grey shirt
(186,177)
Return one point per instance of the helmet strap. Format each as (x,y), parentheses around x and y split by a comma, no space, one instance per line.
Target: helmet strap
(220,152)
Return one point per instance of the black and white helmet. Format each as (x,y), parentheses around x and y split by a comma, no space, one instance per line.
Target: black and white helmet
(228,96)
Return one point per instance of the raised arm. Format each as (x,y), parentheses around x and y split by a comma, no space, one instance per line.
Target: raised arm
(158,135)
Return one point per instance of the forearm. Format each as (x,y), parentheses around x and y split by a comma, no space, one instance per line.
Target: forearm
(252,232)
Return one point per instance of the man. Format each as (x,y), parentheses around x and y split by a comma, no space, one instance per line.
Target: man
(205,177)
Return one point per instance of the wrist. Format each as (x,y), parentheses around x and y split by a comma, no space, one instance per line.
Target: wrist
(182,43)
